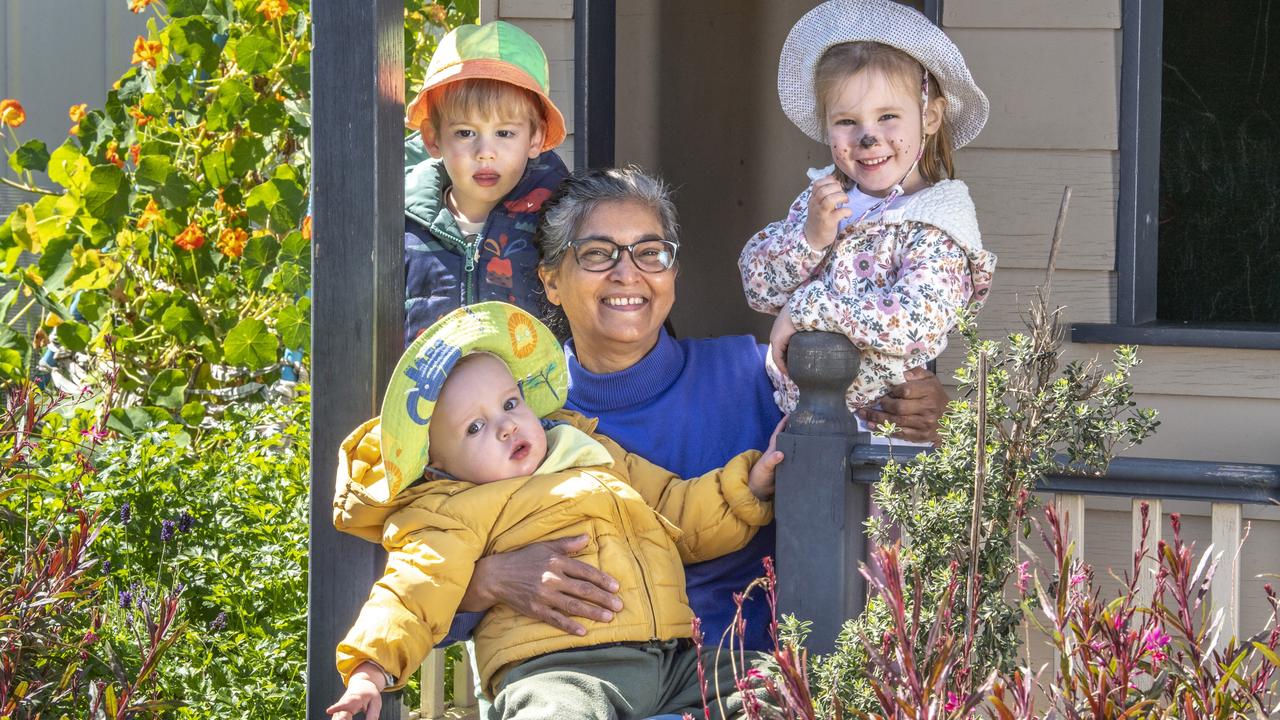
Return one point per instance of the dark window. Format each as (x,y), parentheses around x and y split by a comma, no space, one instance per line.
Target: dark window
(1198,213)
(1219,232)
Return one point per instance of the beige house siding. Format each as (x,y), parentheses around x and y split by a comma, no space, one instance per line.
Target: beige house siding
(550,22)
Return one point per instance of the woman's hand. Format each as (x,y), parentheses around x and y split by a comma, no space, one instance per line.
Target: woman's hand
(914,407)
(760,479)
(364,694)
(828,205)
(542,582)
(780,338)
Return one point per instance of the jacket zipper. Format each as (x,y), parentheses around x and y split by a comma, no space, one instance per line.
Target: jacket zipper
(644,571)
(471,251)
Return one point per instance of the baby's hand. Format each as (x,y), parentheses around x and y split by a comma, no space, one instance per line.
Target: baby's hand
(760,479)
(780,338)
(364,694)
(828,205)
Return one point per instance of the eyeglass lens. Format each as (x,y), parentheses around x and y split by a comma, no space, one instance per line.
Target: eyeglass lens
(648,255)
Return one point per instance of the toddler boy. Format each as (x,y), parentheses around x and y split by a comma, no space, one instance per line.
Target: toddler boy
(462,464)
(477,172)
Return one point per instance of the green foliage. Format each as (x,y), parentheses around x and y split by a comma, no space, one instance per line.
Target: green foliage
(424,24)
(161,233)
(1037,421)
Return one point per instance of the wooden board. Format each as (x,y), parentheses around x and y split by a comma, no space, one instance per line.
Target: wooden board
(1018,192)
(1031,14)
(1222,429)
(1053,89)
(535,9)
(554,35)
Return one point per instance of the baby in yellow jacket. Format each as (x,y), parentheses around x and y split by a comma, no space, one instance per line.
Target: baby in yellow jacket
(474,410)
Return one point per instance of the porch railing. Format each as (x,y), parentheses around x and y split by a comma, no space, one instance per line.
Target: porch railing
(823,501)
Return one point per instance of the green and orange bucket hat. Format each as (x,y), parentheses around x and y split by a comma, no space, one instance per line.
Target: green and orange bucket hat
(529,349)
(493,51)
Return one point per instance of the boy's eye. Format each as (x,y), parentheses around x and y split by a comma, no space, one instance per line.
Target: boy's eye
(506,133)
(511,404)
(464,133)
(475,427)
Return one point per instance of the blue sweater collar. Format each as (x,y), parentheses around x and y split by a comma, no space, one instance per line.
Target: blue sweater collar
(597,393)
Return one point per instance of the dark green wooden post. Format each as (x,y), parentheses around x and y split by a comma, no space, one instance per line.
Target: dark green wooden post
(820,512)
(358,292)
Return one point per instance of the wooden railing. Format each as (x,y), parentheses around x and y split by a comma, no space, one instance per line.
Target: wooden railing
(823,500)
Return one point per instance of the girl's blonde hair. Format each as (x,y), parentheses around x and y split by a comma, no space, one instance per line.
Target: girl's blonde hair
(481,98)
(844,60)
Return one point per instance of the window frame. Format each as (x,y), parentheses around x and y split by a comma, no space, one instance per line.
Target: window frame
(1137,207)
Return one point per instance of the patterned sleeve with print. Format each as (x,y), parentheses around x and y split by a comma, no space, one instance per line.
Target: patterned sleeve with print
(896,301)
(777,259)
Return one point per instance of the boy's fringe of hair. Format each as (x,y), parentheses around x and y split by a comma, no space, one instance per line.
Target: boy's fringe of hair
(844,60)
(483,98)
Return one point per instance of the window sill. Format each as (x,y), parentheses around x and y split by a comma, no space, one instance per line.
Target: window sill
(1247,336)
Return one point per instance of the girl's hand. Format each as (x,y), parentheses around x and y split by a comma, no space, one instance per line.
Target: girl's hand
(760,478)
(364,694)
(542,582)
(780,338)
(828,205)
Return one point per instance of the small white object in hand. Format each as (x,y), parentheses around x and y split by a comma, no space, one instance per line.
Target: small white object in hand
(815,173)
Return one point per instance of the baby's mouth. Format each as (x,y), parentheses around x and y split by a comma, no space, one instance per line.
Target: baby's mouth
(521,450)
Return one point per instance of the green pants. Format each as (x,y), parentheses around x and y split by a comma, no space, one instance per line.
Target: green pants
(625,681)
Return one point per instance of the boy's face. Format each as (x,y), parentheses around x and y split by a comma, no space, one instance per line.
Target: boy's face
(485,157)
(482,431)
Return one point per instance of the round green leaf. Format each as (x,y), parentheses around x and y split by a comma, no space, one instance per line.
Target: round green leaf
(193,412)
(168,389)
(182,320)
(31,155)
(294,324)
(255,54)
(251,344)
(73,336)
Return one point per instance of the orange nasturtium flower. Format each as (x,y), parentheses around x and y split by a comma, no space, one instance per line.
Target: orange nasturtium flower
(134,151)
(77,112)
(437,13)
(273,10)
(231,242)
(113,155)
(146,53)
(306,228)
(139,117)
(149,215)
(11,113)
(190,239)
(137,6)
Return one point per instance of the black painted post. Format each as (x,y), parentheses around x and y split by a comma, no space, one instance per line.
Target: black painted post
(595,53)
(357,87)
(820,512)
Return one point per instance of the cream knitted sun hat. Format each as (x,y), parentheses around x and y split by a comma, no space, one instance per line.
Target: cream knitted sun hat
(882,21)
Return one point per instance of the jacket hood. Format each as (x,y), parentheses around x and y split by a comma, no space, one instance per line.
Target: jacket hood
(362,502)
(947,206)
(425,180)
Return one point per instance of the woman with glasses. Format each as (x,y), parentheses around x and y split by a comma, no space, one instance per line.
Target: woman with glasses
(609,246)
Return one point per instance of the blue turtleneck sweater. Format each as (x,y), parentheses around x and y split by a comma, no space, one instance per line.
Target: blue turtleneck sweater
(689,406)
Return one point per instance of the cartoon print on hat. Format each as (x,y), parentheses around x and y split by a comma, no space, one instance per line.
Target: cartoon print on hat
(889,23)
(528,347)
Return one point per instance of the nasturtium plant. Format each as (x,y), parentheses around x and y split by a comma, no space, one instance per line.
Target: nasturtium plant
(156,231)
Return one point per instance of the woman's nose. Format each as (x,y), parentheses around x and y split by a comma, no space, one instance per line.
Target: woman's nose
(626,269)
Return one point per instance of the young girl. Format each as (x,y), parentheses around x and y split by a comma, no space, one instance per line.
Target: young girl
(883,246)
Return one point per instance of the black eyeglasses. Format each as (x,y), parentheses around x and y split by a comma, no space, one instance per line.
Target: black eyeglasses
(599,255)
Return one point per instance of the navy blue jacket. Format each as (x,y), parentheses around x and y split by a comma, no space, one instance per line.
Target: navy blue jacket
(443,269)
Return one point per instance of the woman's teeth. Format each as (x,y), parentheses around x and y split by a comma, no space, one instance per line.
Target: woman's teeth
(624,301)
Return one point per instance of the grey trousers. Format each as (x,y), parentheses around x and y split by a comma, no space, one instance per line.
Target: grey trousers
(624,681)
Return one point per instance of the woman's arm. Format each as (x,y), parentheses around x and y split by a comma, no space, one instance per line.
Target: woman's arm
(543,582)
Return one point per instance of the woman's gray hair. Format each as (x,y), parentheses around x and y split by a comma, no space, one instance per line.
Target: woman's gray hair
(578,196)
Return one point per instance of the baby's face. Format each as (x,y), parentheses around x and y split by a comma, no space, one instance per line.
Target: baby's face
(482,430)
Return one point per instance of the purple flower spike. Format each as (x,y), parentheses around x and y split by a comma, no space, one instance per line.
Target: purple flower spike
(126,599)
(166,531)
(186,521)
(126,513)
(219,623)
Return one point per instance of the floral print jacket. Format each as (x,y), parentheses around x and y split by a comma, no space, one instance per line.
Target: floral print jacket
(894,284)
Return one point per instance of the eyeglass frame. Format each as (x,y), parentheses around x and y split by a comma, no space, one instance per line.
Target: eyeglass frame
(617,254)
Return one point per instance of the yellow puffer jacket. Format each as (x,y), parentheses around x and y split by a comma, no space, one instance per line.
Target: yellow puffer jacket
(644,524)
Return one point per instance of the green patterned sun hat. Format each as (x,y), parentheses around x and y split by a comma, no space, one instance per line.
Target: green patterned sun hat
(528,347)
